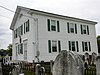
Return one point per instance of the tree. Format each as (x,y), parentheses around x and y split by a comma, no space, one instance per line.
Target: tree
(98,42)
(9,50)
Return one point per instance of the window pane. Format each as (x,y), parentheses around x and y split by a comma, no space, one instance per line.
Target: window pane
(53,22)
(53,28)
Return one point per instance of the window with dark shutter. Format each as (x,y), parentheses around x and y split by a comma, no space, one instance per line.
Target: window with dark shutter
(69,45)
(88,30)
(77,46)
(58,27)
(48,23)
(83,46)
(28,25)
(89,46)
(75,28)
(49,46)
(24,28)
(59,46)
(81,29)
(68,26)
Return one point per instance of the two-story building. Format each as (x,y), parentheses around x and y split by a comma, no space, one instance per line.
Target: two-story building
(39,35)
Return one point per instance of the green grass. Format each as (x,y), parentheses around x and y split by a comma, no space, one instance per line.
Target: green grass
(29,73)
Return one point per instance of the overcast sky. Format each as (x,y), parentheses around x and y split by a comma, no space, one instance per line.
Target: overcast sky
(84,9)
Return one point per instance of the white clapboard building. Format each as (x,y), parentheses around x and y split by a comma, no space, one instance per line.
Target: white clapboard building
(39,35)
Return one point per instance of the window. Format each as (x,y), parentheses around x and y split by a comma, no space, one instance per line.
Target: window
(27,26)
(84,29)
(20,48)
(53,25)
(18,31)
(72,27)
(73,46)
(86,46)
(54,46)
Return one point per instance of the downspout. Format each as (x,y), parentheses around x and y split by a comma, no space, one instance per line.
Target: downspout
(37,40)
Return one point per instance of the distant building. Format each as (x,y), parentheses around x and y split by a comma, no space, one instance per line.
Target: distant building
(39,35)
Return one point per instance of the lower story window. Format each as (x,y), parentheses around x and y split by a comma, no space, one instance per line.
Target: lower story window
(86,46)
(73,46)
(20,48)
(54,46)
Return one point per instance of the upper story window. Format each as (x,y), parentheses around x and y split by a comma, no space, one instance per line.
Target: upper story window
(72,28)
(84,29)
(54,46)
(26,26)
(19,30)
(53,25)
(73,46)
(86,46)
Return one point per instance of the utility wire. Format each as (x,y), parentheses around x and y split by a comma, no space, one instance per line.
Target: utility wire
(13,11)
(6,8)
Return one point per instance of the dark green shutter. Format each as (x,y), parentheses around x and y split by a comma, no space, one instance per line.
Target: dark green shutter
(89,46)
(24,27)
(77,46)
(83,45)
(28,27)
(81,30)
(75,28)
(58,27)
(16,32)
(49,46)
(59,46)
(69,45)
(48,23)
(88,30)
(18,48)
(68,26)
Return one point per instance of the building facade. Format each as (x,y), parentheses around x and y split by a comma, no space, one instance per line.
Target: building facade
(39,35)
